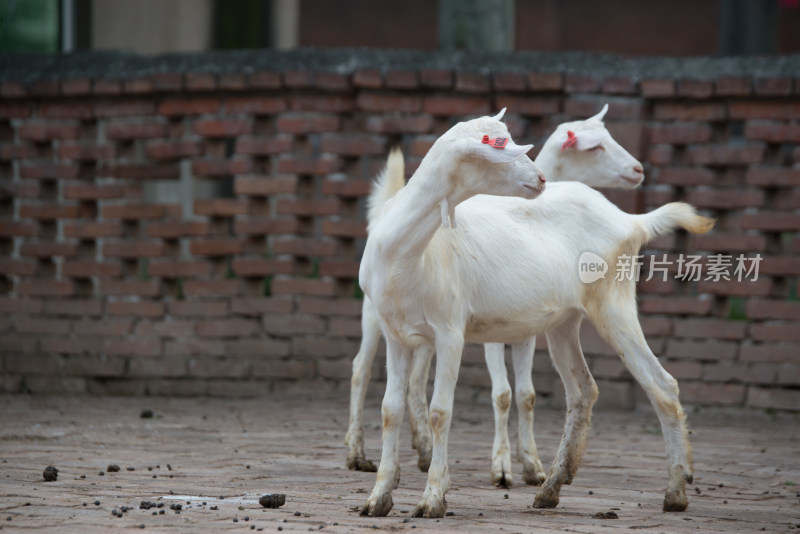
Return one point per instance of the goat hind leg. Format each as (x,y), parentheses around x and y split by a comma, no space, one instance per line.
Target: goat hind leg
(494,354)
(533,472)
(418,407)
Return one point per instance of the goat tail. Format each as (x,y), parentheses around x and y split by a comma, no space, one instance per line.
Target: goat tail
(674,215)
(388,183)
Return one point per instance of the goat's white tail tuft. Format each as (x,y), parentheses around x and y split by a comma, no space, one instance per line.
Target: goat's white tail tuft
(674,215)
(386,185)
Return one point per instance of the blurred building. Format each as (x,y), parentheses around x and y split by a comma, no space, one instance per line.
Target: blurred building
(627,27)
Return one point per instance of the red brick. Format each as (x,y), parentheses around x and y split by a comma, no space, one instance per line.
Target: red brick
(300,286)
(103,326)
(50,211)
(66,110)
(324,164)
(84,366)
(773,309)
(734,288)
(684,176)
(774,86)
(46,249)
(263,348)
(133,249)
(545,81)
(346,188)
(264,185)
(212,288)
(620,85)
(12,90)
(228,328)
(74,307)
(135,130)
(260,305)
(198,308)
(216,247)
(733,86)
(690,111)
(133,347)
(176,229)
(710,328)
(173,107)
(401,79)
(200,81)
(20,305)
(325,347)
(780,266)
(124,108)
(298,78)
(179,269)
(391,124)
(287,325)
(221,207)
(265,80)
(329,307)
(46,131)
(88,269)
(25,189)
(19,229)
(775,332)
(530,106)
(660,154)
(353,144)
(775,110)
(247,267)
(456,105)
(49,171)
(345,228)
(170,150)
(306,247)
(137,86)
(702,350)
(144,288)
(14,110)
(472,82)
(9,267)
(778,399)
(145,171)
(683,369)
(85,152)
(382,102)
(680,133)
(717,242)
(15,343)
(339,268)
(773,177)
(144,308)
(368,78)
(718,394)
(91,230)
(93,192)
(43,288)
(581,84)
(256,105)
(232,81)
(653,88)
(221,167)
(308,206)
(167,81)
(332,103)
(41,326)
(769,352)
(344,327)
(696,89)
(284,369)
(772,132)
(134,211)
(107,87)
(726,198)
(12,152)
(726,155)
(266,226)
(509,81)
(165,328)
(435,78)
(222,127)
(771,221)
(306,123)
(263,146)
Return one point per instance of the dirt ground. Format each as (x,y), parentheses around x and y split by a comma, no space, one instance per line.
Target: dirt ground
(216,457)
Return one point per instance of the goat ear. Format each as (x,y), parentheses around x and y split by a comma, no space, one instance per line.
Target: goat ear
(510,151)
(599,116)
(499,116)
(582,140)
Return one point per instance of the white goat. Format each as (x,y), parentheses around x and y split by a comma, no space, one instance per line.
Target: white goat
(579,150)
(506,272)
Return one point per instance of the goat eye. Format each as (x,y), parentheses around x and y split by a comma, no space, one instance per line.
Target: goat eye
(598,147)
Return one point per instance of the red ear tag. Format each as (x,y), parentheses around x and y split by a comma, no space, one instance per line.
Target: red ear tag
(571,140)
(497,142)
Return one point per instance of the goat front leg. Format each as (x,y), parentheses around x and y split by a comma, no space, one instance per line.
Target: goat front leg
(581,393)
(418,407)
(501,476)
(398,362)
(448,361)
(620,327)
(533,472)
(362,368)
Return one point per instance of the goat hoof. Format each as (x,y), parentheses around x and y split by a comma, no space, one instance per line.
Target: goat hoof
(502,479)
(675,502)
(378,506)
(533,475)
(545,500)
(432,504)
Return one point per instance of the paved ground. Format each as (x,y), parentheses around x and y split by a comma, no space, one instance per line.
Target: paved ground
(226,453)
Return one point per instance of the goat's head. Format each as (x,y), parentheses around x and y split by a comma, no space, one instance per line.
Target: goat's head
(479,157)
(587,153)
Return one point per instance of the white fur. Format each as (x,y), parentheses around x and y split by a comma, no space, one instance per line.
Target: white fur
(508,272)
(600,167)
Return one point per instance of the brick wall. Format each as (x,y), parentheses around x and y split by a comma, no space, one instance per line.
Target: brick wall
(110,285)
